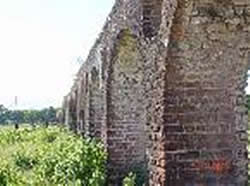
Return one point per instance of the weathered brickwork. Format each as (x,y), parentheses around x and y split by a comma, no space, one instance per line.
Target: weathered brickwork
(163,86)
(126,138)
(205,125)
(96,105)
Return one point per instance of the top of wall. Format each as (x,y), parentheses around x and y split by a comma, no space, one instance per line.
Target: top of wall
(124,14)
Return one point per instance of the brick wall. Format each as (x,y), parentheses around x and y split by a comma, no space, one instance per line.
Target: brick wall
(96,105)
(163,86)
(126,138)
(205,125)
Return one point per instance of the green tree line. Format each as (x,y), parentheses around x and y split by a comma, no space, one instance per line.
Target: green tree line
(248,102)
(45,116)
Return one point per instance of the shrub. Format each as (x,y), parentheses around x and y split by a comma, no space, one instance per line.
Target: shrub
(140,170)
(24,162)
(138,175)
(129,180)
(50,156)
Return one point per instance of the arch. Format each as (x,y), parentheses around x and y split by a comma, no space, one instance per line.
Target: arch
(96,104)
(205,117)
(81,106)
(125,133)
(151,17)
(95,76)
(73,111)
(81,121)
(86,83)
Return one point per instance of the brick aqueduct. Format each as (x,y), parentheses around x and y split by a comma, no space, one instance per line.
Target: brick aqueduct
(163,88)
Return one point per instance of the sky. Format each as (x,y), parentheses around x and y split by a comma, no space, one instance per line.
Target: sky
(40,41)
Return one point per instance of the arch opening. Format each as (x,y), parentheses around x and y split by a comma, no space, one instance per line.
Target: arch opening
(151,17)
(96,105)
(205,120)
(125,133)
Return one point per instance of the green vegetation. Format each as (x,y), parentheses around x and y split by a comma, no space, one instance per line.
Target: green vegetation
(54,156)
(49,157)
(47,115)
(130,180)
(248,102)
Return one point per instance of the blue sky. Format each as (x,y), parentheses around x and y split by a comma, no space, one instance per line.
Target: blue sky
(40,41)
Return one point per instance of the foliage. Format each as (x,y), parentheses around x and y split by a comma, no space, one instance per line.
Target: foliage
(47,115)
(248,102)
(140,170)
(16,116)
(129,180)
(3,114)
(137,176)
(49,156)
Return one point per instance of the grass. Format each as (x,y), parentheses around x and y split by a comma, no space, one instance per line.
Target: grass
(49,156)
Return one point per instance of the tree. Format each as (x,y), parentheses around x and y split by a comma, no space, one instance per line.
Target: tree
(16,116)
(32,116)
(48,115)
(248,102)
(3,114)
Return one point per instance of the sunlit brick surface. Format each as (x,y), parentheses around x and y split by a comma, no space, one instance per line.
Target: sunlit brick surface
(163,87)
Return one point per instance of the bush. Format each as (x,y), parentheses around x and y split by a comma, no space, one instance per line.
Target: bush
(140,170)
(129,180)
(138,175)
(51,156)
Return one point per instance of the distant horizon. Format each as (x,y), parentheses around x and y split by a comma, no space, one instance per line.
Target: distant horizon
(22,107)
